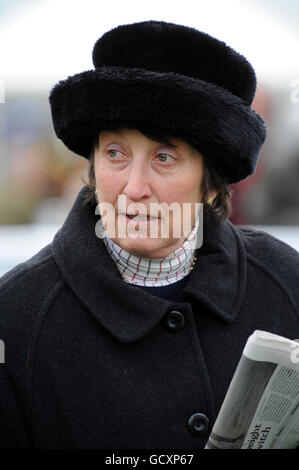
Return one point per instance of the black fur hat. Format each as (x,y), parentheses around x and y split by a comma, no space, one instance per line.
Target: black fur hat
(174,79)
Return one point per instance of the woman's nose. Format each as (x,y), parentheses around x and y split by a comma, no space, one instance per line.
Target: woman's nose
(137,184)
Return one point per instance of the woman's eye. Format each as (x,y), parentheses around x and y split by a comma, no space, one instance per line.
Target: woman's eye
(164,156)
(115,151)
(161,156)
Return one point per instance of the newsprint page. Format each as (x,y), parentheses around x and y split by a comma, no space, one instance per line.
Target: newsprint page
(261,407)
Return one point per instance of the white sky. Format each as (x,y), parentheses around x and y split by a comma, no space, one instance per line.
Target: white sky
(45,41)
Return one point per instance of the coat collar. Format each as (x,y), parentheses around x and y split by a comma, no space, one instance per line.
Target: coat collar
(218,279)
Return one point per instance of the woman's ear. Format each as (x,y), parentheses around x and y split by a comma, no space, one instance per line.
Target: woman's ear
(212,196)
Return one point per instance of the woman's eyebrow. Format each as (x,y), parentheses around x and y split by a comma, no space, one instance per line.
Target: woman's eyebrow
(164,143)
(168,144)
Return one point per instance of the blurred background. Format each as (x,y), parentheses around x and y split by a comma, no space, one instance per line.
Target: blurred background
(44,41)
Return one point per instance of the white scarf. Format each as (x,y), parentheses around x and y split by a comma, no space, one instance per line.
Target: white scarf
(157,271)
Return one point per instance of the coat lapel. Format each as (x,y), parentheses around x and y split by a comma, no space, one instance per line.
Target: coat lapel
(219,280)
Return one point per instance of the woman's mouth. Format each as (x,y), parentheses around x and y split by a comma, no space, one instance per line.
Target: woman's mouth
(142,219)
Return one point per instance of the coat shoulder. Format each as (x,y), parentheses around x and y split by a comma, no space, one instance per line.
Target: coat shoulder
(24,288)
(32,269)
(274,256)
(268,248)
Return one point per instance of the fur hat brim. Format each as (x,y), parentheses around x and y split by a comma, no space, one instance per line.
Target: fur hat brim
(216,122)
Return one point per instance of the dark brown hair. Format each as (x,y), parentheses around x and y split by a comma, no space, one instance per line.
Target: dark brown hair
(212,181)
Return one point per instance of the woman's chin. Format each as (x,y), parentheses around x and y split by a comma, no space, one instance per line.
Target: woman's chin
(147,247)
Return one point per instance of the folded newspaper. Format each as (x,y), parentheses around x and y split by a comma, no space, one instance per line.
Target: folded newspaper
(261,407)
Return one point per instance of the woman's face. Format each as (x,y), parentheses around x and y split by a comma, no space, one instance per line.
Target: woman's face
(146,173)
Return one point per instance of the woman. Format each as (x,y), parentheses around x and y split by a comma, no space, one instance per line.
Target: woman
(130,339)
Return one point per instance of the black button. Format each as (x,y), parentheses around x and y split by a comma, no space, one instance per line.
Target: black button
(198,424)
(174,320)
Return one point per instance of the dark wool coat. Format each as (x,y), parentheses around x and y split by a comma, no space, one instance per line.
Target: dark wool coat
(92,362)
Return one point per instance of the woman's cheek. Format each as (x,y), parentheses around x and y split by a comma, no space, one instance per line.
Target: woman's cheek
(107,187)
